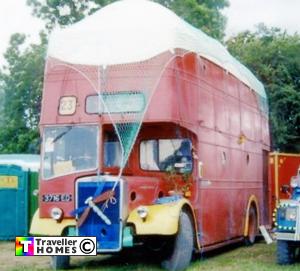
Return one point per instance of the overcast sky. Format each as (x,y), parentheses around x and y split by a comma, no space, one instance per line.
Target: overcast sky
(15,16)
(245,14)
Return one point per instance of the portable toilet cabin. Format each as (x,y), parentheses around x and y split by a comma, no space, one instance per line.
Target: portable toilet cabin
(18,193)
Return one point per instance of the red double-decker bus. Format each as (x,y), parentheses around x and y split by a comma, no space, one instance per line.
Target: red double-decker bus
(153,135)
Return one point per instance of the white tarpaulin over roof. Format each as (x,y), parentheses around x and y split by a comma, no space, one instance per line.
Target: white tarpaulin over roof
(136,30)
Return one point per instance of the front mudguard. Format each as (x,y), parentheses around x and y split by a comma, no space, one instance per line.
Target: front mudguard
(49,226)
(162,219)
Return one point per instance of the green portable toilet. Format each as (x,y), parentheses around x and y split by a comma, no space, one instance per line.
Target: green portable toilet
(18,193)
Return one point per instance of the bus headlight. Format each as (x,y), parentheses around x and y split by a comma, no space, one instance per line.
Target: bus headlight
(56,213)
(142,212)
(291,214)
(295,181)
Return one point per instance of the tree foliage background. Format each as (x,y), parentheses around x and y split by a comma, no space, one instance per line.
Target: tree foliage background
(21,84)
(274,56)
(271,54)
(21,78)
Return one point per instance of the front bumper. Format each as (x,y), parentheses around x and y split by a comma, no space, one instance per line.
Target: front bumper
(287,236)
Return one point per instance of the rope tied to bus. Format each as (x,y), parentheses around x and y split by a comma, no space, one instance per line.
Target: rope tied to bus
(91,204)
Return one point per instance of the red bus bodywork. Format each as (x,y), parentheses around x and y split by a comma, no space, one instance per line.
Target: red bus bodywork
(193,98)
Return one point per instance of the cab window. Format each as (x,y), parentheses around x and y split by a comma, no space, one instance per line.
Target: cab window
(166,155)
(63,152)
(112,150)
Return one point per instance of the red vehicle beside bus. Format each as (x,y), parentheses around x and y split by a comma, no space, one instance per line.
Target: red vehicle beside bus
(156,125)
(282,167)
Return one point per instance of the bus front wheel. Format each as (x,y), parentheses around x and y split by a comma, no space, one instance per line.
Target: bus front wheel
(180,254)
(60,262)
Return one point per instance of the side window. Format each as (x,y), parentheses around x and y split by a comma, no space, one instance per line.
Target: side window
(166,154)
(112,150)
(175,154)
(149,155)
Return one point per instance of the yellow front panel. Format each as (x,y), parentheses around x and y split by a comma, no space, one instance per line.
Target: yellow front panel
(49,226)
(162,219)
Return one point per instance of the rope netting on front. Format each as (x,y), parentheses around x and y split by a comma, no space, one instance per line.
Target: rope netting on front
(121,92)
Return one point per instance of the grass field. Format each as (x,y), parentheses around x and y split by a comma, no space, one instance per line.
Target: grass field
(259,257)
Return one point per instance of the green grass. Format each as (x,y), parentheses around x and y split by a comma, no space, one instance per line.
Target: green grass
(259,257)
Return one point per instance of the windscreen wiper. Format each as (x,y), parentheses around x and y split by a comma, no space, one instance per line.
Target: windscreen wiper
(62,134)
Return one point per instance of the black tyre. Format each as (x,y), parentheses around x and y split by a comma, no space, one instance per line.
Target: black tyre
(159,248)
(180,254)
(285,252)
(60,262)
(252,227)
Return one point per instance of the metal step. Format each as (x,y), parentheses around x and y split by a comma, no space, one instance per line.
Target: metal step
(266,234)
